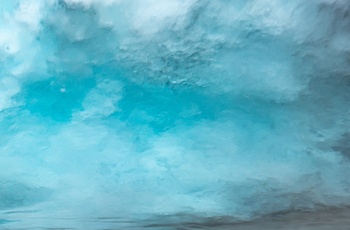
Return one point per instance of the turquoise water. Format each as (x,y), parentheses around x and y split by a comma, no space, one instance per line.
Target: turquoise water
(121,114)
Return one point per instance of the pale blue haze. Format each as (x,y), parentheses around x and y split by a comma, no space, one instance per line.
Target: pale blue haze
(136,109)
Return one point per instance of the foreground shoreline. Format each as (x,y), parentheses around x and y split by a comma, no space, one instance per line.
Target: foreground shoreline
(325,219)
